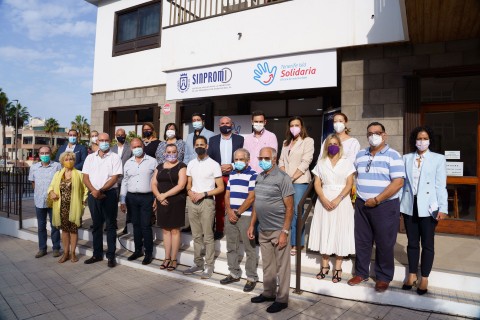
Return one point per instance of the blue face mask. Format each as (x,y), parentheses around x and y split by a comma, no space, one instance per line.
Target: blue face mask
(137,152)
(240,165)
(265,164)
(104,146)
(45,158)
(72,140)
(197,125)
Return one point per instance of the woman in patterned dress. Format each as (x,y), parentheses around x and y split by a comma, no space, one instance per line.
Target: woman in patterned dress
(68,193)
(171,137)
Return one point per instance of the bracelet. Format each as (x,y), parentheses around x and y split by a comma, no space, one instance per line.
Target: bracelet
(341,196)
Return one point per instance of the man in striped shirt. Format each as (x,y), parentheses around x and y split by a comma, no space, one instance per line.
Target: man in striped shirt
(239,198)
(380,177)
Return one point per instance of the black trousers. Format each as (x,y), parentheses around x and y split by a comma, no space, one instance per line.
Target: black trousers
(104,211)
(377,225)
(420,229)
(139,205)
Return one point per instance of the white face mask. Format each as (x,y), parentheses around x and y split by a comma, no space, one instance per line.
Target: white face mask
(94,139)
(375,140)
(170,133)
(258,126)
(422,145)
(339,127)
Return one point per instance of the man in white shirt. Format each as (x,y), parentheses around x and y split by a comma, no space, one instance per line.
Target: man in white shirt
(204,181)
(100,174)
(136,198)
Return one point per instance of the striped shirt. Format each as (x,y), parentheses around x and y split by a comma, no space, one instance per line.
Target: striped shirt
(386,165)
(240,183)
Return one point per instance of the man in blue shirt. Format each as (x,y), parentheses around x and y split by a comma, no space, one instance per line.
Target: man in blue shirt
(41,174)
(73,146)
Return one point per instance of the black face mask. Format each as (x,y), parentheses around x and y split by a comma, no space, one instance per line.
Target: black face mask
(147,134)
(121,139)
(225,129)
(200,151)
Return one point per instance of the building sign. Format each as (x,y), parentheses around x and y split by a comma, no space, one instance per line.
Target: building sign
(455,169)
(166,109)
(314,70)
(452,155)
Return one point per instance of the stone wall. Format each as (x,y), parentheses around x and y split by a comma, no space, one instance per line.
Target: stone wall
(373,86)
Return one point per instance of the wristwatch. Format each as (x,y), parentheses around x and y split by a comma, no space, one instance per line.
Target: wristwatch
(286,232)
(237,214)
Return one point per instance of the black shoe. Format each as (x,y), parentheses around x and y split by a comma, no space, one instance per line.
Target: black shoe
(277,307)
(229,279)
(217,235)
(112,263)
(148,259)
(261,298)
(187,230)
(135,256)
(91,227)
(421,292)
(93,260)
(249,286)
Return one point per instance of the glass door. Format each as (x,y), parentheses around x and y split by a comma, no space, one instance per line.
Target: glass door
(457,131)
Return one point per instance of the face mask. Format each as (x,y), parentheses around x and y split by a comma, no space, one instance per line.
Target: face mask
(225,129)
(170,133)
(72,140)
(333,149)
(197,125)
(121,140)
(375,140)
(147,134)
(94,139)
(171,157)
(104,146)
(258,126)
(339,127)
(265,164)
(137,152)
(68,164)
(200,151)
(295,131)
(45,158)
(422,145)
(240,165)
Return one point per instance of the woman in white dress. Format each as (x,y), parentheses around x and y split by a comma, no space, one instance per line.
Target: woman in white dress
(332,225)
(350,145)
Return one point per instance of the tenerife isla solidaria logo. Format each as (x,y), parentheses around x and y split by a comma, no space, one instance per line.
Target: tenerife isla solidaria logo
(264,74)
(183,83)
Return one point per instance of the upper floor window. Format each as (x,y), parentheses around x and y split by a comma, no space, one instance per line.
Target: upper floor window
(137,28)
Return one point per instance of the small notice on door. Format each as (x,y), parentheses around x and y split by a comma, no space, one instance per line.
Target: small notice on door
(455,169)
(452,155)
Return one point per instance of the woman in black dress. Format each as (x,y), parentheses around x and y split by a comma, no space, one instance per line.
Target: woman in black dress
(168,187)
(149,137)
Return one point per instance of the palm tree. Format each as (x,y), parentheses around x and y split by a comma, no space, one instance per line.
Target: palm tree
(51,126)
(3,122)
(16,116)
(81,125)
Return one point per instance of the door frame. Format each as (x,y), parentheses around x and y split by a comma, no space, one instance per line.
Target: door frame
(459,226)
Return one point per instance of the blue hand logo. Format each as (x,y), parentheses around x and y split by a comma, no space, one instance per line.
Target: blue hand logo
(265,75)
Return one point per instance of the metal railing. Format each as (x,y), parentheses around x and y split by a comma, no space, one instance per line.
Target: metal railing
(311,195)
(183,11)
(14,186)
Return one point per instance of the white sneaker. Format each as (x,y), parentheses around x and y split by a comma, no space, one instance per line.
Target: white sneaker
(192,270)
(207,273)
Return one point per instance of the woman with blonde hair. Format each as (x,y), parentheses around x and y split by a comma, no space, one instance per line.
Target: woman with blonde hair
(332,226)
(68,194)
(149,138)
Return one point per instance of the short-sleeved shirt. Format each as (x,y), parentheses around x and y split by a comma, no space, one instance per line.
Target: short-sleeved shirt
(270,190)
(254,145)
(42,176)
(203,173)
(137,177)
(386,165)
(101,169)
(240,183)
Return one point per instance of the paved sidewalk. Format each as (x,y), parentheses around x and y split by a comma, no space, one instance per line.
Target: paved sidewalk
(44,289)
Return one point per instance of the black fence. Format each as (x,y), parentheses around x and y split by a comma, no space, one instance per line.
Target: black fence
(14,186)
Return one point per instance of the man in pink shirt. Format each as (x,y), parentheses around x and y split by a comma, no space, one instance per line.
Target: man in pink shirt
(259,138)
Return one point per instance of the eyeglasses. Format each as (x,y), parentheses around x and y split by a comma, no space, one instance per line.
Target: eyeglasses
(369,134)
(369,163)
(264,158)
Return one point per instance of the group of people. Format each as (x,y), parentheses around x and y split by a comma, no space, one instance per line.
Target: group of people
(238,187)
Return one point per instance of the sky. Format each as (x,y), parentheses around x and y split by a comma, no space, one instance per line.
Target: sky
(46,56)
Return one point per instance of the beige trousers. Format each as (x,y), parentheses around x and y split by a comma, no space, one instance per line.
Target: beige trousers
(201,222)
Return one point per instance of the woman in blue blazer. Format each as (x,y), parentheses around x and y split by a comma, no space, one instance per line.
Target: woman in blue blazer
(424,202)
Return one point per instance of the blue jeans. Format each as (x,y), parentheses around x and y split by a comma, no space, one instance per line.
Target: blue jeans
(42,229)
(300,189)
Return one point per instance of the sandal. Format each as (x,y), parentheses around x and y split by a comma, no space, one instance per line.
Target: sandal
(165,264)
(293,252)
(336,278)
(170,265)
(322,275)
(64,258)
(73,258)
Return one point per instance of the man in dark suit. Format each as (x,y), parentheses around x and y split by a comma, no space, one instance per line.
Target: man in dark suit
(221,148)
(73,146)
(122,148)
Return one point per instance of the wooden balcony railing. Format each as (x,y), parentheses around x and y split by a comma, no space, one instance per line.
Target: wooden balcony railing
(183,11)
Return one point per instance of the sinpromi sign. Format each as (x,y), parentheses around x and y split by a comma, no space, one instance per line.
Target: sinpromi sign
(314,70)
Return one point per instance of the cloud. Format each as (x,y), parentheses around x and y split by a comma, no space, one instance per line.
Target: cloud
(81,71)
(12,53)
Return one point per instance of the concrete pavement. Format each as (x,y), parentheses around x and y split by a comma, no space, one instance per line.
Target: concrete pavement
(44,289)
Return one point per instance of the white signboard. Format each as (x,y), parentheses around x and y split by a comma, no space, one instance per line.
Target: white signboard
(452,155)
(455,169)
(314,70)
